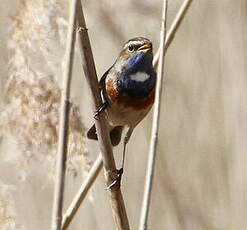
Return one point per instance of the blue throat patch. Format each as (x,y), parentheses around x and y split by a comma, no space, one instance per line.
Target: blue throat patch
(140,62)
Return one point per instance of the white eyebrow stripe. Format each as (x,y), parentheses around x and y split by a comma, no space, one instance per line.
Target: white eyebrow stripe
(139,77)
(133,43)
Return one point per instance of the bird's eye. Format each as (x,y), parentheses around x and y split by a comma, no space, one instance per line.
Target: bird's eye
(131,48)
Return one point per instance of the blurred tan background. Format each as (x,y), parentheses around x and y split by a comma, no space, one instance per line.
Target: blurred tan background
(200,179)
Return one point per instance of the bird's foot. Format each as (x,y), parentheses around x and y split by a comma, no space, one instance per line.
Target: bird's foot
(100,110)
(117,181)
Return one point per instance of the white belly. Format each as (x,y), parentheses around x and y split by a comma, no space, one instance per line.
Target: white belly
(122,116)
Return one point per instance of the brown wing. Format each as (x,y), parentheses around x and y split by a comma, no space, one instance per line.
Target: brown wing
(102,83)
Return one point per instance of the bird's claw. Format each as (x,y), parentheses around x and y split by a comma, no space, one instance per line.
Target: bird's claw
(100,110)
(96,115)
(117,182)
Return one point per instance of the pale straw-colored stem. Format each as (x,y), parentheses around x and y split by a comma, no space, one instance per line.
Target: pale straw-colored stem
(63,122)
(173,29)
(117,203)
(169,38)
(156,119)
(81,194)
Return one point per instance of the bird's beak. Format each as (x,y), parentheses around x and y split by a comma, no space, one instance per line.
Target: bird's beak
(145,48)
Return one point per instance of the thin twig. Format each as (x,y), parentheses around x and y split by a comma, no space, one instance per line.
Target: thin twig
(169,38)
(63,122)
(173,29)
(81,194)
(155,126)
(117,203)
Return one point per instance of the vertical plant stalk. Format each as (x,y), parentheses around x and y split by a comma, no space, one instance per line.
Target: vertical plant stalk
(116,198)
(81,194)
(155,127)
(63,121)
(173,29)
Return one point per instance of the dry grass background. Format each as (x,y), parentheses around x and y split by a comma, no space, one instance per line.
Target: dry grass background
(200,181)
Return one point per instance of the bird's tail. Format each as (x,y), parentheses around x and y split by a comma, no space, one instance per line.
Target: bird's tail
(115,134)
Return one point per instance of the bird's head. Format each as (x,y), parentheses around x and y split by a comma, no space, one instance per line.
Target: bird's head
(137,53)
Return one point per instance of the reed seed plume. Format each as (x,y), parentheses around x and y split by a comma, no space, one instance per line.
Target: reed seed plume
(7,209)
(30,114)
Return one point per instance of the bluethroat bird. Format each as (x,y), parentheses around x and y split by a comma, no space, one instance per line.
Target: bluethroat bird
(127,90)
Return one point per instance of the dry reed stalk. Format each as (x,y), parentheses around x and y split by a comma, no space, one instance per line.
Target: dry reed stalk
(81,194)
(64,120)
(117,203)
(173,29)
(155,126)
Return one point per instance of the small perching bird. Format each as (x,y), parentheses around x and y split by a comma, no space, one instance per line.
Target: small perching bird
(128,90)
